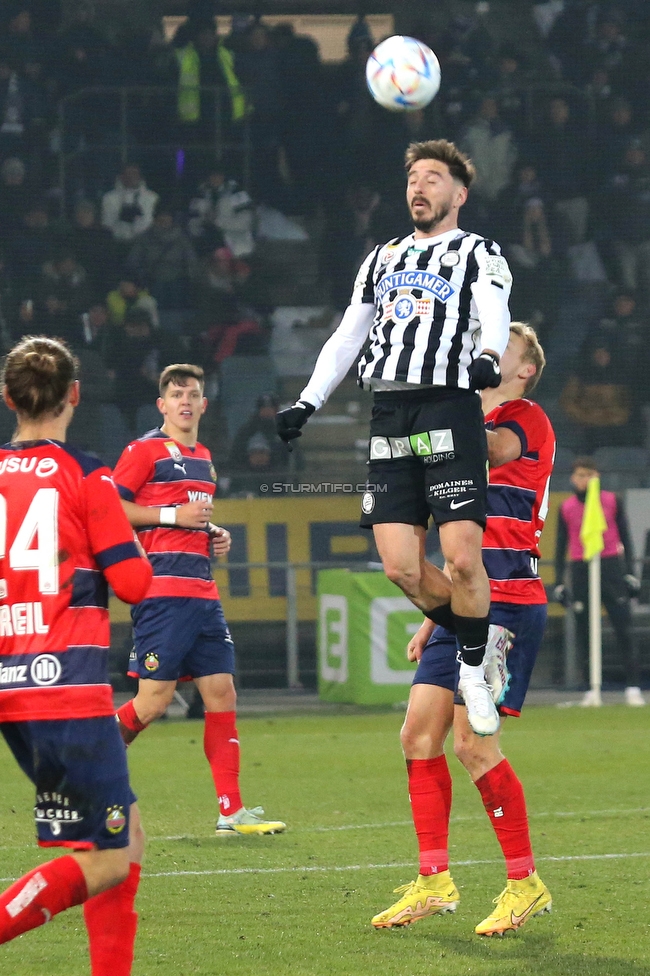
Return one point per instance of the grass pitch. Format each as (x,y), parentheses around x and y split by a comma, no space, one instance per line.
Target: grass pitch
(301,903)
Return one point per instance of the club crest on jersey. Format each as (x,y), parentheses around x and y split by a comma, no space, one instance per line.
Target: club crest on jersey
(151,661)
(428,282)
(213,472)
(449,259)
(174,451)
(115,819)
(406,306)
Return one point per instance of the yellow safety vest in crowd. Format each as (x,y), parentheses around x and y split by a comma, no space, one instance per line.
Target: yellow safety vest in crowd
(189,83)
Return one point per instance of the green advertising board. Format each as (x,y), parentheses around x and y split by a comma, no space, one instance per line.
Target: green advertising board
(364,625)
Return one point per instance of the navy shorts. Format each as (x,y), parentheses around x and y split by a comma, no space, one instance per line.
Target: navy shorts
(439,662)
(180,637)
(78,767)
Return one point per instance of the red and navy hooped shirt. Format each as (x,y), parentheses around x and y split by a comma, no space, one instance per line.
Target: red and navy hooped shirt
(518,504)
(62,526)
(157,471)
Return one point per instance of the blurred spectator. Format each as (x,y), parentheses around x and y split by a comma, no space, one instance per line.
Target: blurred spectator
(349,238)
(260,424)
(164,257)
(561,154)
(508,85)
(611,50)
(523,229)
(221,287)
(302,112)
(222,213)
(493,150)
(95,330)
(257,65)
(61,294)
(627,327)
(356,113)
(253,468)
(20,43)
(95,243)
(202,61)
(33,245)
(22,108)
(600,398)
(127,211)
(625,214)
(14,195)
(136,356)
(223,318)
(82,51)
(614,134)
(130,294)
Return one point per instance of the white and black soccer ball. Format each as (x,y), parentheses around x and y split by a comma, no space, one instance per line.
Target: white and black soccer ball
(403,74)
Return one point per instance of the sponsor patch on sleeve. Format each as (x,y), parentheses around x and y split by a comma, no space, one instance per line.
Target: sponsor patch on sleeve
(496,266)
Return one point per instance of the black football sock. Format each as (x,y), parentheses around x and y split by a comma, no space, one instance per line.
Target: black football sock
(442,616)
(472,633)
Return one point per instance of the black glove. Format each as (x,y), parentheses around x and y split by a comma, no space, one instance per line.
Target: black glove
(633,584)
(289,421)
(484,371)
(560,594)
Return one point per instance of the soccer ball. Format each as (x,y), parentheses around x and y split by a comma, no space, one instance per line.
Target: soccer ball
(403,74)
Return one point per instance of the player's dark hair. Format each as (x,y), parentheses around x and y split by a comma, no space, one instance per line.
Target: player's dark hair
(179,374)
(533,352)
(584,462)
(37,374)
(460,165)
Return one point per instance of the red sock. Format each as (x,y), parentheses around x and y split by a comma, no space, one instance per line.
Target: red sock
(505,804)
(111,924)
(221,746)
(430,796)
(40,895)
(128,722)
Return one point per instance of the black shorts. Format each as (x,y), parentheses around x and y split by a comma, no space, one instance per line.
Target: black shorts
(428,456)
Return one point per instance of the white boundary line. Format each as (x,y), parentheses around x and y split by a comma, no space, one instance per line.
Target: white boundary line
(333,868)
(384,825)
(380,867)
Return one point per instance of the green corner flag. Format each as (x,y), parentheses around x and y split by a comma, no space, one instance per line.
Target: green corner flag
(593,522)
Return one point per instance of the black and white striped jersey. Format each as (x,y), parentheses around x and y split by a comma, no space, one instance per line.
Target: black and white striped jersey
(438,302)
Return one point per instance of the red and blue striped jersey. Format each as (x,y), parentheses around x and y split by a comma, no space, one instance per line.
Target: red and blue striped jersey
(517,504)
(157,471)
(62,527)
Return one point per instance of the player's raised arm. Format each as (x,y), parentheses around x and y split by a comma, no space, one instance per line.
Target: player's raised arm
(337,355)
(491,291)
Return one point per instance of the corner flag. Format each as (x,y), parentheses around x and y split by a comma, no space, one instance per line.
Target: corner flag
(593,522)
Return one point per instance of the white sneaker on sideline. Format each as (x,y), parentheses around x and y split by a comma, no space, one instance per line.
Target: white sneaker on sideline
(634,697)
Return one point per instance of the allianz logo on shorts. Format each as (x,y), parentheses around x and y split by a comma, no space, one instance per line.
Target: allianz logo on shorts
(430,445)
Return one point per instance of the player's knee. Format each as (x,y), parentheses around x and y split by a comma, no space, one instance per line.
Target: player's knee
(466,749)
(407,578)
(415,741)
(463,565)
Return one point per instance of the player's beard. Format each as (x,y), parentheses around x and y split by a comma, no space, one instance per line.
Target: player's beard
(429,224)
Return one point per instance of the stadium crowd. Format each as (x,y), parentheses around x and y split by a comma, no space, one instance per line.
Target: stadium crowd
(185,252)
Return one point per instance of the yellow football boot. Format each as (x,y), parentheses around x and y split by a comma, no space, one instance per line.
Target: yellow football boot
(435,894)
(248,822)
(519,901)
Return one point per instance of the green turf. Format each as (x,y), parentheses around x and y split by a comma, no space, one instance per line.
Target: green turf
(300,903)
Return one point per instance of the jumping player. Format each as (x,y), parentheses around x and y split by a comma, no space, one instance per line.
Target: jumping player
(521,447)
(167,481)
(65,538)
(434,307)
